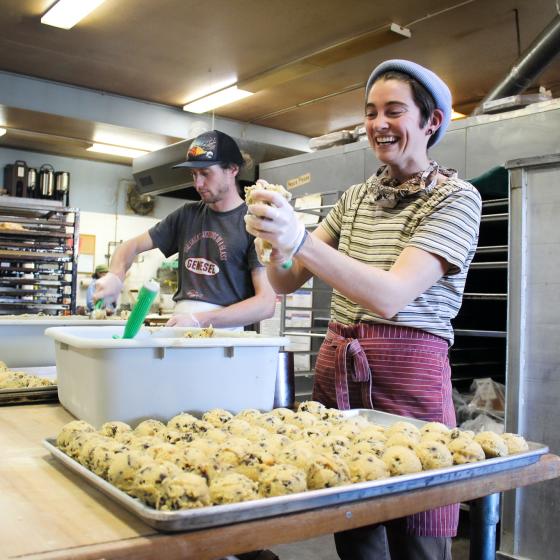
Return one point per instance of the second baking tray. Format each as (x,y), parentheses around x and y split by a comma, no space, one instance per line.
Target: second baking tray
(32,395)
(214,516)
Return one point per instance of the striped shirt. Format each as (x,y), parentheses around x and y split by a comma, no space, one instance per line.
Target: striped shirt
(443,220)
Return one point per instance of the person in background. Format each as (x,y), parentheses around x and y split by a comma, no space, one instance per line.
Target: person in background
(221,281)
(396,250)
(99,272)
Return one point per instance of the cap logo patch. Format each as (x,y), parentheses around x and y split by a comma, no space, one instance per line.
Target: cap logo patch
(203,148)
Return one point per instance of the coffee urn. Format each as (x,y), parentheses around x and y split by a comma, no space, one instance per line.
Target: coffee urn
(62,186)
(46,181)
(32,183)
(15,178)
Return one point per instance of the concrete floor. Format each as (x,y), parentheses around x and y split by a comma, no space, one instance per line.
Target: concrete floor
(322,548)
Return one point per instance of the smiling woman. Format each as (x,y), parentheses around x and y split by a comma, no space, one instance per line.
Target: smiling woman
(396,249)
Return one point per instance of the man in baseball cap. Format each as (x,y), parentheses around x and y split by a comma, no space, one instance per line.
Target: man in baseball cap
(220,281)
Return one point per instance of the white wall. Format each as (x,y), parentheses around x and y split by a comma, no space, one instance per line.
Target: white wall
(99,191)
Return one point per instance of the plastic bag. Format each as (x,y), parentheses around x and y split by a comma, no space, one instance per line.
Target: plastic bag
(489,396)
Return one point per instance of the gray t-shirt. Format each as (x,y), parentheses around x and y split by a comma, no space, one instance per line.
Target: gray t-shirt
(216,254)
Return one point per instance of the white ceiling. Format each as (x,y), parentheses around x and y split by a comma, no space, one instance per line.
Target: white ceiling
(171,51)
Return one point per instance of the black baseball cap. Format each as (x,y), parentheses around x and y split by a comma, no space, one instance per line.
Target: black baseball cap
(210,148)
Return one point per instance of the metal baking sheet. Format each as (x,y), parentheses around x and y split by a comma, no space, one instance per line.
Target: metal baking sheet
(214,516)
(32,395)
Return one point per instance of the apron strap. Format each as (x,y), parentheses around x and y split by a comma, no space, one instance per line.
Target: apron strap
(360,371)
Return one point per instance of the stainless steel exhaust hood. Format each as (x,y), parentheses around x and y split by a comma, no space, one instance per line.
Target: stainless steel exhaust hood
(154,173)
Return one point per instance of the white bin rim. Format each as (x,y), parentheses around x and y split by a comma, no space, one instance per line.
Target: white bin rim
(157,337)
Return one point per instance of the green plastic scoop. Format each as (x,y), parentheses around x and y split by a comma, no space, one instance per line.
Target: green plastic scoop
(146,297)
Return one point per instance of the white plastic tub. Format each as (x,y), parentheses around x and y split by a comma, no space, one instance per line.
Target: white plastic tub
(23,341)
(160,373)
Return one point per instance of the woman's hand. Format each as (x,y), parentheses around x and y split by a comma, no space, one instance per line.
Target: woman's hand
(273,219)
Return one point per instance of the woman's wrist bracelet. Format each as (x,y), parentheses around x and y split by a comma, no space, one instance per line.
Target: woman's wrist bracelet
(289,263)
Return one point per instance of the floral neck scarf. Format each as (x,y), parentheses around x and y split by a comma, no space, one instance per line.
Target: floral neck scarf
(385,191)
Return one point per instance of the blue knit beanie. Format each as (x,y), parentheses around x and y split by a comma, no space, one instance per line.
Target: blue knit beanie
(433,83)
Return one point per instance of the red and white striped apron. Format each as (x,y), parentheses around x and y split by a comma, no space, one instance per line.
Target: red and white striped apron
(395,369)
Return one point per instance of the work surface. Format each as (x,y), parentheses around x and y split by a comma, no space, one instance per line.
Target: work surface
(48,512)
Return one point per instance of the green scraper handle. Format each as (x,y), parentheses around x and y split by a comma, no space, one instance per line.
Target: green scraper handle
(146,297)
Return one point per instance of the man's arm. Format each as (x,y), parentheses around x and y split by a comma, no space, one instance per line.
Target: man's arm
(125,253)
(251,310)
(109,287)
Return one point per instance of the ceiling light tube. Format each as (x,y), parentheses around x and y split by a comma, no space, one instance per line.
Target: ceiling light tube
(216,99)
(67,13)
(456,115)
(3,131)
(116,150)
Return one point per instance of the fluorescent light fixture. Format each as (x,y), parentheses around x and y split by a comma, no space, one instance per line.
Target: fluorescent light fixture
(216,99)
(67,13)
(456,116)
(3,131)
(116,150)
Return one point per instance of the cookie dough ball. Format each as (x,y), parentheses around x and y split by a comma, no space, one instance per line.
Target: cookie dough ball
(359,420)
(280,480)
(256,434)
(401,460)
(313,407)
(298,453)
(69,430)
(3,366)
(301,419)
(465,450)
(207,446)
(372,433)
(290,430)
(194,460)
(347,429)
(364,467)
(249,414)
(35,381)
(229,454)
(283,413)
(327,472)
(434,428)
(216,435)
(175,436)
(367,447)
(253,463)
(161,452)
(184,491)
(143,443)
(315,433)
(232,488)
(332,415)
(83,450)
(112,429)
(126,438)
(442,438)
(492,444)
(335,445)
(182,422)
(404,428)
(515,443)
(238,427)
(149,428)
(269,422)
(217,417)
(457,433)
(433,454)
(103,455)
(123,469)
(273,443)
(401,439)
(147,484)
